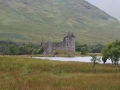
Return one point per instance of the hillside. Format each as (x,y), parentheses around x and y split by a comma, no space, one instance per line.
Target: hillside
(109,6)
(30,20)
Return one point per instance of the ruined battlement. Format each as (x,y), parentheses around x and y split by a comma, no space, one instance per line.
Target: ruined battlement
(68,44)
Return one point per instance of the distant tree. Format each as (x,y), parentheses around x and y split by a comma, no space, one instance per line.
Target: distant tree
(21,50)
(4,49)
(33,52)
(84,50)
(95,59)
(12,49)
(40,50)
(1,49)
(78,47)
(95,48)
(28,48)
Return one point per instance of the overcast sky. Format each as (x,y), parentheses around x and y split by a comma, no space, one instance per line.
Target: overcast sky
(110,6)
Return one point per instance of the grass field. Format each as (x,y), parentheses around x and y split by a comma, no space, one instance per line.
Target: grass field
(22,73)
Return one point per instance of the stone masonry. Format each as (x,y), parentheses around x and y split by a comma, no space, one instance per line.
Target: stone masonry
(67,45)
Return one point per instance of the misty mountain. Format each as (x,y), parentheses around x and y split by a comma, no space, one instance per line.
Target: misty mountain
(30,20)
(110,6)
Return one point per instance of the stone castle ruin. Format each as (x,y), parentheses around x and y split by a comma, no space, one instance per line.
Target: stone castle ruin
(67,45)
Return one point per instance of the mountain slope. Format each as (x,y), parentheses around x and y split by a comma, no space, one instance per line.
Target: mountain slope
(109,6)
(30,20)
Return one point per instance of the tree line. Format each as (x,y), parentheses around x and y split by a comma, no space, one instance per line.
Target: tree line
(89,48)
(13,48)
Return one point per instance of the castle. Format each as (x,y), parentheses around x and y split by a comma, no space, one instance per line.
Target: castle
(67,45)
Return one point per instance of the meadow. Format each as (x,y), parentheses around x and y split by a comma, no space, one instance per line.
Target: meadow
(23,73)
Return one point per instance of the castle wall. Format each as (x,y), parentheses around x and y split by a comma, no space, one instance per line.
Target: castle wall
(68,44)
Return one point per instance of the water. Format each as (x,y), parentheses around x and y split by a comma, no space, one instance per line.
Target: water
(74,59)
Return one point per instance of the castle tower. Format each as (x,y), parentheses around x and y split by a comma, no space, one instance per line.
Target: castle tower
(69,42)
(72,42)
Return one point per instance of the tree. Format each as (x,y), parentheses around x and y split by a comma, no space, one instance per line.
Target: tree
(104,59)
(4,49)
(84,50)
(40,50)
(95,48)
(1,49)
(21,50)
(28,48)
(33,52)
(112,52)
(12,49)
(95,59)
(78,47)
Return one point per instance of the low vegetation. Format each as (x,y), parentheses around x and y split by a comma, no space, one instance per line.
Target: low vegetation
(22,73)
(95,59)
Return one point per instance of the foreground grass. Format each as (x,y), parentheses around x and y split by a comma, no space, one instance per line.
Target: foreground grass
(21,73)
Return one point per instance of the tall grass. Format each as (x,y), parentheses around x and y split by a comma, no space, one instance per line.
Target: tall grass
(21,73)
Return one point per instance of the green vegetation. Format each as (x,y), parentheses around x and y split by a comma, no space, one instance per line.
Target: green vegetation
(12,48)
(30,20)
(87,48)
(95,59)
(112,52)
(15,48)
(83,48)
(21,73)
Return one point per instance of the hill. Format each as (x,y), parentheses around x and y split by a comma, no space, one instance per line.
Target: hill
(109,6)
(30,20)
